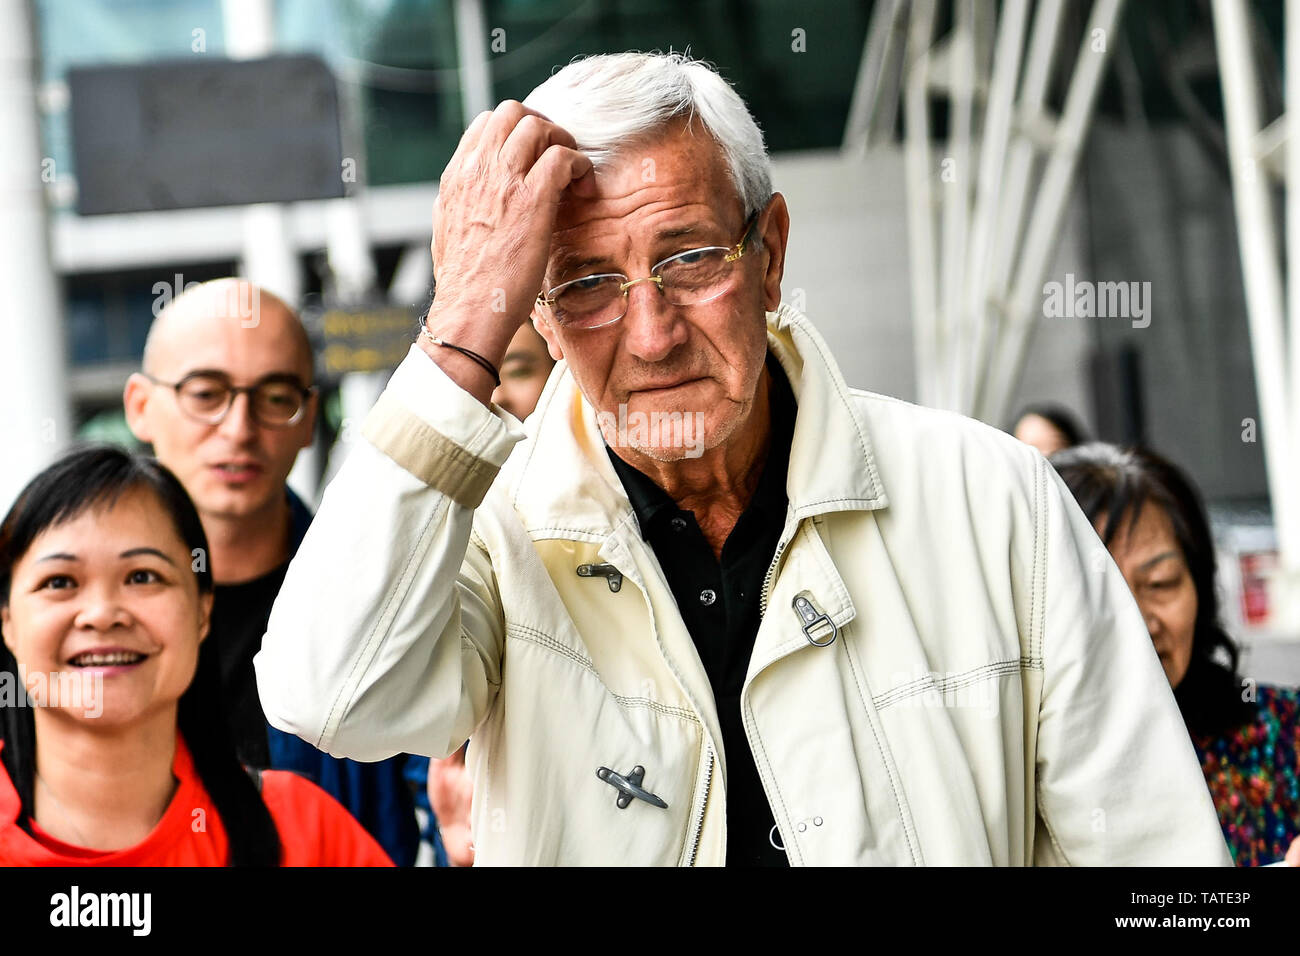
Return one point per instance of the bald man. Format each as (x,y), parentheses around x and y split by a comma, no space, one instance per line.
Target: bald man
(232,450)
(226,399)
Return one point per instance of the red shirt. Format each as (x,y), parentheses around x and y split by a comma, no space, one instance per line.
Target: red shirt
(314,828)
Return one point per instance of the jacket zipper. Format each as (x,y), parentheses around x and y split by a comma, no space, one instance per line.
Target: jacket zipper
(771,573)
(699,824)
(762,613)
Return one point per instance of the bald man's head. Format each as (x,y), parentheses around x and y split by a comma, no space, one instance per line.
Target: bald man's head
(214,337)
(229,300)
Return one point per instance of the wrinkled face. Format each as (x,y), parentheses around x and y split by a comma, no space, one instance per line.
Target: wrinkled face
(523,372)
(238,467)
(700,363)
(105,615)
(1153,565)
(1042,434)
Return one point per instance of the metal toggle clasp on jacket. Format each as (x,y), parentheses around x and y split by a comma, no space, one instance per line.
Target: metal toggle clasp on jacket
(612,575)
(629,787)
(810,617)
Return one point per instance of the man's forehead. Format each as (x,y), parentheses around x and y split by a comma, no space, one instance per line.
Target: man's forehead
(668,218)
(671,164)
(662,209)
(240,346)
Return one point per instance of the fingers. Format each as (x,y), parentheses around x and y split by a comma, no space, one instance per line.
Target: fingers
(506,117)
(468,143)
(493,220)
(513,136)
(560,168)
(531,137)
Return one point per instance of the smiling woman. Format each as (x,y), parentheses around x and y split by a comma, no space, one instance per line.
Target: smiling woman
(123,758)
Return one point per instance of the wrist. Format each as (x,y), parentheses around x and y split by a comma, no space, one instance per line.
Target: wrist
(488,336)
(468,356)
(481,361)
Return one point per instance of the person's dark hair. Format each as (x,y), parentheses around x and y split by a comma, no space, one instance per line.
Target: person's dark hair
(1060,418)
(1117,483)
(99,475)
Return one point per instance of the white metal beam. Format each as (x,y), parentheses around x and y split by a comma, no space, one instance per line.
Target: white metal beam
(1261,269)
(34,416)
(920,202)
(956,192)
(875,93)
(472,52)
(993,152)
(1043,233)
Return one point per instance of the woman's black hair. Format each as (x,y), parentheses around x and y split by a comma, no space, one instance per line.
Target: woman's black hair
(1060,418)
(1117,483)
(100,475)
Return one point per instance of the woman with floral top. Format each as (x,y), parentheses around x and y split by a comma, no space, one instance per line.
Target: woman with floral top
(1247,737)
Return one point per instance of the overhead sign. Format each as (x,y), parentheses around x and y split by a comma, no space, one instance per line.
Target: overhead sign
(205,132)
(365,339)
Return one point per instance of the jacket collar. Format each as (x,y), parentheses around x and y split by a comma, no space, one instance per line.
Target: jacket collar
(562,484)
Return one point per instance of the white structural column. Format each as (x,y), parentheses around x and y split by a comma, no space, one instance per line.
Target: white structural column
(993,153)
(1284,490)
(920,201)
(472,52)
(976,285)
(1031,132)
(956,192)
(874,107)
(1044,229)
(35,419)
(269,258)
(1291,368)
(1261,270)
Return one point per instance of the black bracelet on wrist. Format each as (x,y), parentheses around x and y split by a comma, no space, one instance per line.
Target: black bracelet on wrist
(469,354)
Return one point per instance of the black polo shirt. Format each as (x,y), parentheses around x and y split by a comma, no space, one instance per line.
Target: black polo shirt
(719,603)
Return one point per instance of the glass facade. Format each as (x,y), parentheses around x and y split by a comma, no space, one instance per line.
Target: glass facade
(397,65)
(400,93)
(794,63)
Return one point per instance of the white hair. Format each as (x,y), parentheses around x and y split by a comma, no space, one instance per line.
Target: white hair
(611,101)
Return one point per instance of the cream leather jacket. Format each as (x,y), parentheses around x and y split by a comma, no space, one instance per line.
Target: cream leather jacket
(949,670)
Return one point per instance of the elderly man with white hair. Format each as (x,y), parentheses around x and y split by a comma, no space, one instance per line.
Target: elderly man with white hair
(714,606)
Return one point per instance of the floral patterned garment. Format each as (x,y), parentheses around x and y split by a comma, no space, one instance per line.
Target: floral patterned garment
(1252,776)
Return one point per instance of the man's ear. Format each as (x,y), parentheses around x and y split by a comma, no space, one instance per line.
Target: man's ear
(135,398)
(775,234)
(308,422)
(544,328)
(205,615)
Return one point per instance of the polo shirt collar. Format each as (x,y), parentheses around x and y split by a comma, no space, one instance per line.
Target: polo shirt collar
(652,505)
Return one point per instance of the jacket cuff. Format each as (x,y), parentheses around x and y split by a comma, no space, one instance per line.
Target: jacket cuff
(440,433)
